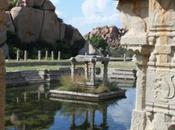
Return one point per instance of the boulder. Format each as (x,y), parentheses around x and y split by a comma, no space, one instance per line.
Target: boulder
(111,34)
(36,20)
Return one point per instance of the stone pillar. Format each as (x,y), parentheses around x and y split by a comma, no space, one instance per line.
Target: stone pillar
(73,65)
(39,55)
(59,55)
(46,55)
(39,95)
(52,55)
(93,72)
(86,70)
(105,72)
(124,57)
(25,55)
(25,96)
(17,55)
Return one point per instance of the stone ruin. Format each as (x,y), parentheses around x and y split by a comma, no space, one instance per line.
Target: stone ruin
(89,62)
(151,34)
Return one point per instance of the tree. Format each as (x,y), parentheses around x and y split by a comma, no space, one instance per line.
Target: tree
(99,43)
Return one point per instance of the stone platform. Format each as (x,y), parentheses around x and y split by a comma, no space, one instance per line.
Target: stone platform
(56,94)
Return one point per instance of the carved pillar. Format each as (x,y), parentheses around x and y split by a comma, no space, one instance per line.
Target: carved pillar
(153,21)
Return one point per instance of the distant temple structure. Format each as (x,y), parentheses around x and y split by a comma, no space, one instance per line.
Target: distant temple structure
(151,34)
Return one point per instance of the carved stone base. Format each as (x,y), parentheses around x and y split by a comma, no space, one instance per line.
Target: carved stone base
(138,120)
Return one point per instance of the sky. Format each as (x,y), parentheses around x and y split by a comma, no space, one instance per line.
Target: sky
(87,14)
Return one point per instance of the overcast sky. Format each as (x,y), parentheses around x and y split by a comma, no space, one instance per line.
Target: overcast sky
(87,14)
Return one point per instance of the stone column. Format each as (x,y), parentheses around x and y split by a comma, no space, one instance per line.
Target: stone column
(105,72)
(46,55)
(124,57)
(139,115)
(59,55)
(25,55)
(52,55)
(39,55)
(17,55)
(93,73)
(86,70)
(25,96)
(39,95)
(73,65)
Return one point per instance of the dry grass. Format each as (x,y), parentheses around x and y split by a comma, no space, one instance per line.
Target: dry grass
(79,85)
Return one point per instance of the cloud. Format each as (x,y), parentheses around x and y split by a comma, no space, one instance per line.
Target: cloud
(97,13)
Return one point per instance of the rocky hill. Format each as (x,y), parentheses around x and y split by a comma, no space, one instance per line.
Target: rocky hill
(110,33)
(36,20)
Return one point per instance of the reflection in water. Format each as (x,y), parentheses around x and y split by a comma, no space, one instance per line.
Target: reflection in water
(30,109)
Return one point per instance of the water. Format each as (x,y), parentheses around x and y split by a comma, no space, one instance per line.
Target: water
(30,109)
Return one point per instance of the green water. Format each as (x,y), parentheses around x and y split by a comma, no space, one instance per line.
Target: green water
(29,108)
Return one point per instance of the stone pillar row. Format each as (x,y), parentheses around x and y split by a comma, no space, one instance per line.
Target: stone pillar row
(25,57)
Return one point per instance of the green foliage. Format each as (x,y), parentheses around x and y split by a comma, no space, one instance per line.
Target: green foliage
(68,49)
(99,43)
(119,52)
(12,3)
